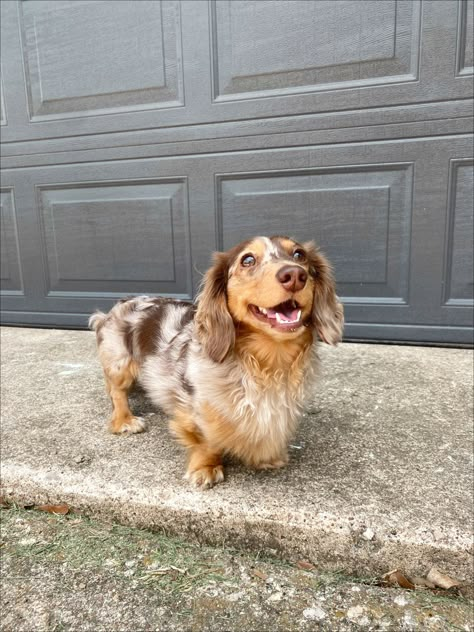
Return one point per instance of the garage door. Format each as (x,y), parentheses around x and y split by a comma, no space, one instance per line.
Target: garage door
(140,136)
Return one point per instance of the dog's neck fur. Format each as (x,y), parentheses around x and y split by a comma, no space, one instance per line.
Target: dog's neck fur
(268,356)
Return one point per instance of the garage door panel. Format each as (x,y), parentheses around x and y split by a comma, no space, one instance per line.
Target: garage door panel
(317,45)
(87,73)
(10,264)
(122,237)
(465,61)
(99,57)
(91,66)
(396,62)
(458,282)
(378,210)
(360,216)
(94,234)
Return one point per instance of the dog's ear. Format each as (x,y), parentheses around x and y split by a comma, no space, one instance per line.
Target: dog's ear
(215,326)
(328,313)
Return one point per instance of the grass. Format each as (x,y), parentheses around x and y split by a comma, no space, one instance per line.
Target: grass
(190,585)
(170,564)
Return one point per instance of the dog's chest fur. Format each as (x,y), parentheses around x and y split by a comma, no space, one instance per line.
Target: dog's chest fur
(248,411)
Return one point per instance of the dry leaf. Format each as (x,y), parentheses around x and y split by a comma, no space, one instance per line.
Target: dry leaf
(62,509)
(397,578)
(3,503)
(442,581)
(305,566)
(421,582)
(260,575)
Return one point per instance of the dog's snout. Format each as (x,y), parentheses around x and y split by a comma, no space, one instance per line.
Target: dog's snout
(293,278)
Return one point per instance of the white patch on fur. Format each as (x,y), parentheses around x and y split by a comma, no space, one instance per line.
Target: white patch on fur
(270,249)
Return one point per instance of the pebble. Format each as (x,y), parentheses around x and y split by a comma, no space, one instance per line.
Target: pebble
(27,541)
(368,534)
(315,614)
(355,612)
(276,596)
(236,596)
(408,620)
(401,600)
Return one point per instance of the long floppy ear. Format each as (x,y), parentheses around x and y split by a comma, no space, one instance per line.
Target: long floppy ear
(328,313)
(215,326)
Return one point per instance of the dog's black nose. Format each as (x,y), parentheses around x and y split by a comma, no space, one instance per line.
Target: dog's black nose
(293,278)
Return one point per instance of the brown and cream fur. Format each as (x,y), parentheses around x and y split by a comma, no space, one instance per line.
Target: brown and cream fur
(231,382)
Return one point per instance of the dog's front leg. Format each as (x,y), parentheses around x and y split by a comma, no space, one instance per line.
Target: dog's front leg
(205,467)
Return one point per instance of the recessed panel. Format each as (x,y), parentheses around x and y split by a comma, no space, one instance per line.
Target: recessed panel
(10,275)
(276,46)
(98,55)
(360,217)
(465,38)
(116,238)
(460,237)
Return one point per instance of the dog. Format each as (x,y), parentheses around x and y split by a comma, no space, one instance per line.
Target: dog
(232,370)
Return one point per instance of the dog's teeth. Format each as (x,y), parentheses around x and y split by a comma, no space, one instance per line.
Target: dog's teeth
(278,317)
(263,310)
(298,316)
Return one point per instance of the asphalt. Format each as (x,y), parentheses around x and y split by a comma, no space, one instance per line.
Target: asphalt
(380,474)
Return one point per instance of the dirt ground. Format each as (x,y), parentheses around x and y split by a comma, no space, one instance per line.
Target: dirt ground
(71,573)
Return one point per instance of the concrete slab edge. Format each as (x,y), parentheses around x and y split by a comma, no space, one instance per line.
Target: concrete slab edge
(329,546)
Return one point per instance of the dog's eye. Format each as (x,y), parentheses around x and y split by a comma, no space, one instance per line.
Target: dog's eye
(299,255)
(248,260)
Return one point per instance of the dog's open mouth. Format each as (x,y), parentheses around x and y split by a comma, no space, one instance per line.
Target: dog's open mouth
(284,316)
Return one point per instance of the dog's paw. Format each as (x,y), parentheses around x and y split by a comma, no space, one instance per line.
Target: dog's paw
(132,425)
(205,477)
(272,465)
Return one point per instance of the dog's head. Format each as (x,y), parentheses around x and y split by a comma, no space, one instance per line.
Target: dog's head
(269,284)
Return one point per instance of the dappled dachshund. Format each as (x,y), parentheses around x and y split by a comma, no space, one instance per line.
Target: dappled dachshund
(232,370)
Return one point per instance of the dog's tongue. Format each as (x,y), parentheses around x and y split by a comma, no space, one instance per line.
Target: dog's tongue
(286,312)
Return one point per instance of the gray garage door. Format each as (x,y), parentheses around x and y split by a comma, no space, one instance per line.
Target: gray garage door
(140,136)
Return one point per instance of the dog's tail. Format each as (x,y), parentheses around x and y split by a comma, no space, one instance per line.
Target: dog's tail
(97,320)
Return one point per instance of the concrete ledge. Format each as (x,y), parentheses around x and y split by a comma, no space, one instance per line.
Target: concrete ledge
(381,472)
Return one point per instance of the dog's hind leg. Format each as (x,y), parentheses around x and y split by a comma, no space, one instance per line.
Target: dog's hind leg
(119,380)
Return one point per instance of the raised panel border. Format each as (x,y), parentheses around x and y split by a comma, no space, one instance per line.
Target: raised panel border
(412,76)
(447,301)
(113,295)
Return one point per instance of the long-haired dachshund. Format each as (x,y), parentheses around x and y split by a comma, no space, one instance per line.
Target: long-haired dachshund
(232,370)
